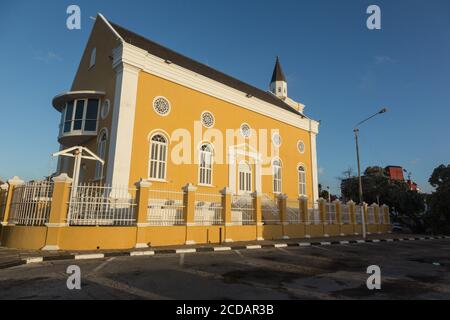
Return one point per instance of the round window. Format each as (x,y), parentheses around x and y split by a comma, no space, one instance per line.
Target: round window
(245,130)
(105,109)
(207,119)
(301,146)
(161,106)
(276,139)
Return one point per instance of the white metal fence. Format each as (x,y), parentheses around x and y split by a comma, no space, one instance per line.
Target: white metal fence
(345,214)
(331,213)
(358,214)
(314,214)
(165,208)
(94,205)
(242,210)
(293,213)
(31,203)
(3,196)
(270,210)
(208,209)
(370,215)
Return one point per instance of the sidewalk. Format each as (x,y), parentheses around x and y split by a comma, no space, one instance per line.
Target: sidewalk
(14,257)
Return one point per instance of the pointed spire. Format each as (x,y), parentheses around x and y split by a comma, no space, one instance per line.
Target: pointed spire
(278,74)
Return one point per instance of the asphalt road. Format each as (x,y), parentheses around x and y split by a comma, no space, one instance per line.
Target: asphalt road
(409,270)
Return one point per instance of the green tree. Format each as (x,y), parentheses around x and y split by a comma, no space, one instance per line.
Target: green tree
(439,200)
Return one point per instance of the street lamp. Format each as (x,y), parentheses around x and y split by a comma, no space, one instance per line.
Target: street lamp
(356,131)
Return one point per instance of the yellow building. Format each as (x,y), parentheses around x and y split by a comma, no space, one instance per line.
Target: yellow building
(154,114)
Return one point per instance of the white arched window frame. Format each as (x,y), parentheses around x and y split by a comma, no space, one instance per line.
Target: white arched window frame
(158,157)
(301,180)
(101,153)
(277,175)
(245,180)
(205,166)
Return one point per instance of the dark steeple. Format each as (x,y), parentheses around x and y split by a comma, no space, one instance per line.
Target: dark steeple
(278,74)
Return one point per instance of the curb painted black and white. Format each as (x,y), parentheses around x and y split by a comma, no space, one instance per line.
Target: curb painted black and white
(162,251)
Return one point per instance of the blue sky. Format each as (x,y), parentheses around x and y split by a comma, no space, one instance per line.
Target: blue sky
(338,68)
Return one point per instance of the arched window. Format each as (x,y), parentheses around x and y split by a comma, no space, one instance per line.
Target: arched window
(101,152)
(276,167)
(245,177)
(301,181)
(158,157)
(205,165)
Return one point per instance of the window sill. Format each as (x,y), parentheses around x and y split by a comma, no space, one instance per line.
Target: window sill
(158,180)
(205,185)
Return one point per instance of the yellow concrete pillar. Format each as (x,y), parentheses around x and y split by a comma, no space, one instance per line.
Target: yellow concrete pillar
(226,207)
(337,203)
(366,217)
(12,183)
(303,205)
(58,211)
(352,211)
(3,196)
(258,215)
(142,195)
(282,209)
(322,210)
(376,216)
(189,209)
(387,217)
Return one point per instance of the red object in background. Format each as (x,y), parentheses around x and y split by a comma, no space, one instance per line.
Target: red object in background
(395,173)
(412,185)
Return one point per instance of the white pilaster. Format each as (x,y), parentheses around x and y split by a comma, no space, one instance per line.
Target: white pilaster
(315,179)
(119,160)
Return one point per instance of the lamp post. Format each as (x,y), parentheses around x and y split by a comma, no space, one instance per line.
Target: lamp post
(356,131)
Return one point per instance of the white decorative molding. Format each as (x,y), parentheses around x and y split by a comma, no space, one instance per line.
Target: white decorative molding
(50,248)
(315,178)
(15,181)
(63,177)
(156,66)
(189,187)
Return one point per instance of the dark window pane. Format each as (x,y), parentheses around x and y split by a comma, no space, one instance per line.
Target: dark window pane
(77,124)
(69,111)
(79,109)
(90,125)
(67,126)
(92,109)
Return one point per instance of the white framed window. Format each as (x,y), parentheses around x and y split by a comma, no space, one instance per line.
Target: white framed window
(207,119)
(161,106)
(244,177)
(277,175)
(105,109)
(205,167)
(158,157)
(92,57)
(101,153)
(301,146)
(245,130)
(301,180)
(81,115)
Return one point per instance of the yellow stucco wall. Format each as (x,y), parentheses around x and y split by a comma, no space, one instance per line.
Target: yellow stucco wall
(186,108)
(22,237)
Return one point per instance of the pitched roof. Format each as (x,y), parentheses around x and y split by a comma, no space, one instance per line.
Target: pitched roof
(278,74)
(200,68)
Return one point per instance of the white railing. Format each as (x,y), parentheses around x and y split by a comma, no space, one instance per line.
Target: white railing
(31,203)
(3,196)
(293,213)
(94,205)
(345,214)
(242,210)
(165,208)
(331,213)
(370,215)
(270,210)
(208,209)
(314,215)
(358,214)
(380,215)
